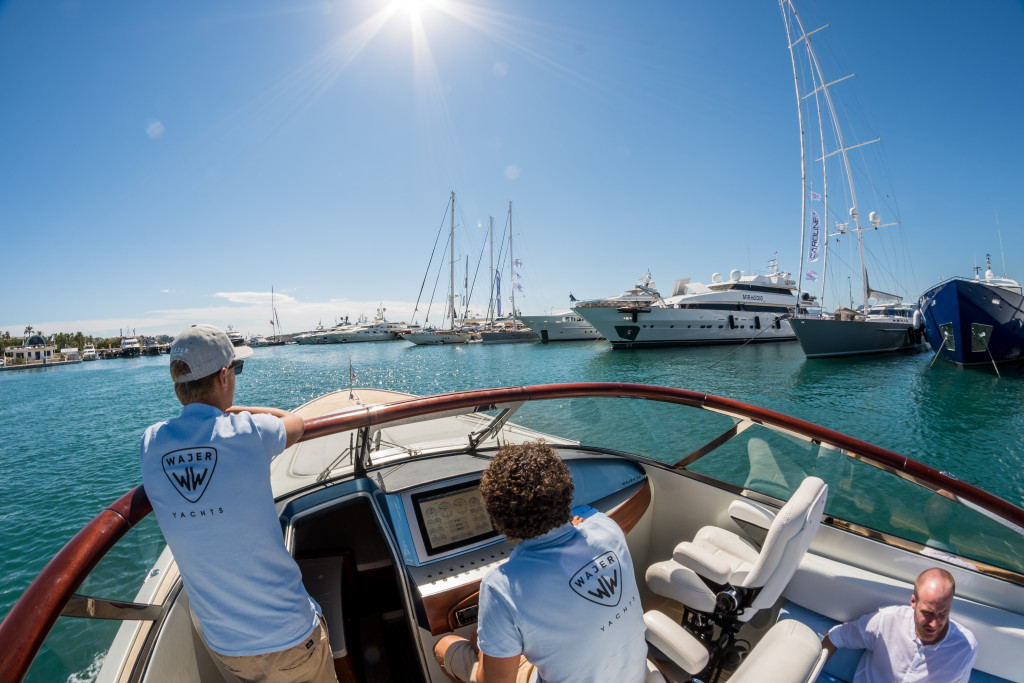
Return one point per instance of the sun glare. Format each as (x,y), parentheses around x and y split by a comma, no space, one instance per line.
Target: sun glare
(413,8)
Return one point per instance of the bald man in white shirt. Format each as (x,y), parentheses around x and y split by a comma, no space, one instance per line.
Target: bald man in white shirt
(918,643)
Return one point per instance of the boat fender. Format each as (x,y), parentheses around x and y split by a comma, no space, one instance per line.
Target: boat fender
(918,319)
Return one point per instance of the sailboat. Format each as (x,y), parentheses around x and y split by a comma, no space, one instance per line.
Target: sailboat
(512,330)
(451,334)
(883,323)
(275,323)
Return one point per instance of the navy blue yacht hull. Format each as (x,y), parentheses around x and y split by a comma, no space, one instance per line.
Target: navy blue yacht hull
(984,323)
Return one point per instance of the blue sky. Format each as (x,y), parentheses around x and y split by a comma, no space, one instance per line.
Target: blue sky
(169,163)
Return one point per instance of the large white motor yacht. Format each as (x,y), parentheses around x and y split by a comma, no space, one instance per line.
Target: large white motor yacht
(727,311)
(364,330)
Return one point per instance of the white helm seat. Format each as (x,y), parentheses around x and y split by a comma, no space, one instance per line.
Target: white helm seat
(789,653)
(721,572)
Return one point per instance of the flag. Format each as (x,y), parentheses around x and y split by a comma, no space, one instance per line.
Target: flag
(351,372)
(811,275)
(271,323)
(571,297)
(516,275)
(516,286)
(815,237)
(517,263)
(815,196)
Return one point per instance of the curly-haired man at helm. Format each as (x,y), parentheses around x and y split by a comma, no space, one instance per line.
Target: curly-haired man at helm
(565,607)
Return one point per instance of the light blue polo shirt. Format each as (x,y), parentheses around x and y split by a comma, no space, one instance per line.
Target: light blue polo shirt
(207,474)
(568,600)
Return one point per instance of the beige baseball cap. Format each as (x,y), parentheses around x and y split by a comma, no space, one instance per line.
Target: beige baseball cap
(206,349)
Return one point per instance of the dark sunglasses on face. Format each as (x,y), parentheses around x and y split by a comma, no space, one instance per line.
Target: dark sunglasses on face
(236,365)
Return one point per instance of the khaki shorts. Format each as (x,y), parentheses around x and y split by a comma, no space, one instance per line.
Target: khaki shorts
(462,661)
(311,660)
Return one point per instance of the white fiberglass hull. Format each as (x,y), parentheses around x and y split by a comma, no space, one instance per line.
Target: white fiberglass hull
(827,337)
(557,328)
(659,326)
(436,338)
(350,337)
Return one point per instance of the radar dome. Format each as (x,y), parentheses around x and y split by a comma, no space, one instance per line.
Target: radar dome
(717,277)
(734,275)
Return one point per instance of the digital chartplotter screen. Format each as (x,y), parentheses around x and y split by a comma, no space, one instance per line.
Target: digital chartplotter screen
(452,517)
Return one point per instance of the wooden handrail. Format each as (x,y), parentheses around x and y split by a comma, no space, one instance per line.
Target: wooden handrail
(25,627)
(30,620)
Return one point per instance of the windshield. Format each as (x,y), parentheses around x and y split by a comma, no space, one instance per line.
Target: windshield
(740,452)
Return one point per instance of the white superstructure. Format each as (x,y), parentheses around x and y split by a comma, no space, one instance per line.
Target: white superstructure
(561,326)
(725,311)
(363,331)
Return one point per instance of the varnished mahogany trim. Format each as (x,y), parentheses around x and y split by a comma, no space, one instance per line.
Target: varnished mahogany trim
(462,604)
(439,605)
(629,513)
(26,625)
(440,608)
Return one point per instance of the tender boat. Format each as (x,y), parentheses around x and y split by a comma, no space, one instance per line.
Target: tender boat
(561,326)
(975,321)
(886,325)
(379,505)
(742,308)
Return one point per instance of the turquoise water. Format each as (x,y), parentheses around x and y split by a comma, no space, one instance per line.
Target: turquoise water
(70,434)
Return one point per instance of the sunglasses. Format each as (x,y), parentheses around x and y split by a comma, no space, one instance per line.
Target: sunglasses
(236,365)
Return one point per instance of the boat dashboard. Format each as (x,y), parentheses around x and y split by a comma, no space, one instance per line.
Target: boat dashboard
(435,529)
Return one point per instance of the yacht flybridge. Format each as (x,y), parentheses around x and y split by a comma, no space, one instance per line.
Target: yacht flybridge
(855,523)
(735,310)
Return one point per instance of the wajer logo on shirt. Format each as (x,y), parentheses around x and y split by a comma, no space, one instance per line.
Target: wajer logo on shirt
(599,580)
(190,470)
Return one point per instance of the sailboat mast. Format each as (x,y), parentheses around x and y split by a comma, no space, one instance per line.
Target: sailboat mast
(451,261)
(511,267)
(843,149)
(803,156)
(490,300)
(273,311)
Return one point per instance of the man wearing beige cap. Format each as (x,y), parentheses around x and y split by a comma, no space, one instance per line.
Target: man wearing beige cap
(207,474)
